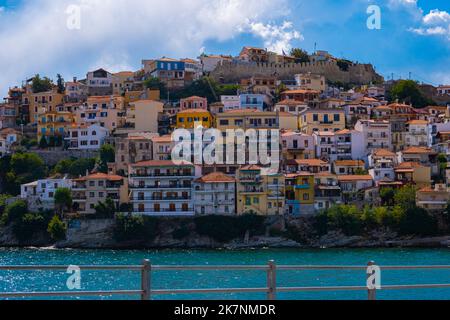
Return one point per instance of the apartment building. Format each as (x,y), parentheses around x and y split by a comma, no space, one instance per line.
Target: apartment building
(300,193)
(377,134)
(259,194)
(133,149)
(188,118)
(194,102)
(89,191)
(321,120)
(86,138)
(433,199)
(55,124)
(311,81)
(247,119)
(162,188)
(296,145)
(413,173)
(327,191)
(310,97)
(293,107)
(382,163)
(42,102)
(353,187)
(417,135)
(215,194)
(162,147)
(348,167)
(326,146)
(349,145)
(99,82)
(307,165)
(40,194)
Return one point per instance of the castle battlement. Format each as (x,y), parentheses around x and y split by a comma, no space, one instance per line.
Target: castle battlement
(234,71)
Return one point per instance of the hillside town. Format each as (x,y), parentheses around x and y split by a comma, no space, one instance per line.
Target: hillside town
(106,141)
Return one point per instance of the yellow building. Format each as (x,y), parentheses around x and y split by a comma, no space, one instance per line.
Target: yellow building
(54,124)
(187,118)
(260,194)
(322,120)
(42,102)
(300,193)
(247,119)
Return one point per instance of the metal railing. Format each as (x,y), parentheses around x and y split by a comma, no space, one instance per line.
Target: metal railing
(147,270)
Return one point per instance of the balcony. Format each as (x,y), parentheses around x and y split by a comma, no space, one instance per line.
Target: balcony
(253,190)
(161,175)
(137,199)
(302,186)
(178,186)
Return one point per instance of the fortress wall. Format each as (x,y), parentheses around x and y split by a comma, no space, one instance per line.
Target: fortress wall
(357,74)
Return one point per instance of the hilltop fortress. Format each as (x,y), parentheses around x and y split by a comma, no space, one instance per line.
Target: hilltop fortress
(234,71)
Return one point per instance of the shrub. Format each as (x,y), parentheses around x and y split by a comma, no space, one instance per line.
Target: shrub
(418,221)
(14,212)
(181,233)
(57,229)
(28,226)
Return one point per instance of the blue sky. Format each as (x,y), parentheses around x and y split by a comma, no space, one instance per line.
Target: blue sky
(116,34)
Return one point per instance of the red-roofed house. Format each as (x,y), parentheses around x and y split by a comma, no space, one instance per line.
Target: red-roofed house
(215,193)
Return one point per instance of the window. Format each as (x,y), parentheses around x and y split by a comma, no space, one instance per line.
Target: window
(337,117)
(315,117)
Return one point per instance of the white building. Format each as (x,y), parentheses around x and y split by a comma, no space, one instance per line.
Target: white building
(325,142)
(443,90)
(230,102)
(350,145)
(40,195)
(162,188)
(215,194)
(434,129)
(417,135)
(382,163)
(86,137)
(99,82)
(377,134)
(291,106)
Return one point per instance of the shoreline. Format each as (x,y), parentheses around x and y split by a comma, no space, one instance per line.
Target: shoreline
(439,242)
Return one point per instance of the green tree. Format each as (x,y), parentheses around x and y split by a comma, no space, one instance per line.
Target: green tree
(387,196)
(63,199)
(107,155)
(406,197)
(300,55)
(81,166)
(418,221)
(408,91)
(105,210)
(14,212)
(28,226)
(23,168)
(154,83)
(39,84)
(57,229)
(43,144)
(60,84)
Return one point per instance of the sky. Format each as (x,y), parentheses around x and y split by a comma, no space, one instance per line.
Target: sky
(48,37)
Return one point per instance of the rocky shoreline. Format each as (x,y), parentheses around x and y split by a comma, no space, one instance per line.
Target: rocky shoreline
(98,235)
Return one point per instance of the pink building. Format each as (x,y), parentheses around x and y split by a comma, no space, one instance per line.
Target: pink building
(194,102)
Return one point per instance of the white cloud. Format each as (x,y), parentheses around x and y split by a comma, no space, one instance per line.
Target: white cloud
(436,17)
(276,38)
(118,33)
(435,23)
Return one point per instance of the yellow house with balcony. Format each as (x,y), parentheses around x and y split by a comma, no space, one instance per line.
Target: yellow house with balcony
(322,120)
(300,193)
(247,119)
(260,194)
(186,119)
(54,124)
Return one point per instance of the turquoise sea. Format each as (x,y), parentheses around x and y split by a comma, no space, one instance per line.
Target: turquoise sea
(21,281)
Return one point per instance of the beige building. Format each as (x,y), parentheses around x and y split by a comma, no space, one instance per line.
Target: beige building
(131,150)
(311,81)
(89,191)
(146,114)
(162,147)
(322,120)
(436,198)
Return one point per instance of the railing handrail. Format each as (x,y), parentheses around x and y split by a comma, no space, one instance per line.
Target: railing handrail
(146,292)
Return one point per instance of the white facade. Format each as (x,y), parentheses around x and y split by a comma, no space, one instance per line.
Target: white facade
(40,194)
(417,135)
(86,138)
(99,78)
(230,102)
(326,147)
(215,197)
(162,188)
(377,134)
(350,145)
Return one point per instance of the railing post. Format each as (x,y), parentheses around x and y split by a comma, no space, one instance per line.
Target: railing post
(146,280)
(372,293)
(272,281)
